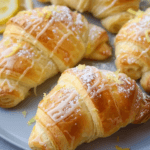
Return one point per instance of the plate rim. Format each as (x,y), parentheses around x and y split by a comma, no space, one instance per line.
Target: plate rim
(11,139)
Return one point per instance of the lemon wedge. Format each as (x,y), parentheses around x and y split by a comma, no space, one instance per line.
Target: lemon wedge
(8,8)
(25,5)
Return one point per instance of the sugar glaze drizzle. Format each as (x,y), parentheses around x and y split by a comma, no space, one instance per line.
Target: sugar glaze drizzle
(64,106)
(88,75)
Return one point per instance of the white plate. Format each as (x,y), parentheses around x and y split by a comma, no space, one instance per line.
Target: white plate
(14,128)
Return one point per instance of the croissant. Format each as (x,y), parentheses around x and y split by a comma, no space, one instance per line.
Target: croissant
(38,44)
(112,12)
(132,48)
(86,104)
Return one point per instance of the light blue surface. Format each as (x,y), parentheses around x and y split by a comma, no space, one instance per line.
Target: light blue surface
(14,128)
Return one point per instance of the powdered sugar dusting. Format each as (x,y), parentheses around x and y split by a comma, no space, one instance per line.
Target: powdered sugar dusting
(25,52)
(127,87)
(94,31)
(79,20)
(90,77)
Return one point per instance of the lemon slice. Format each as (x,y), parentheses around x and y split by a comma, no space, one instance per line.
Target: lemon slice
(7,9)
(25,5)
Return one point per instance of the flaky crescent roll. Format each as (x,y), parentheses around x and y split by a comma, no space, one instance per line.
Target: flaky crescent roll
(86,104)
(38,44)
(112,12)
(133,48)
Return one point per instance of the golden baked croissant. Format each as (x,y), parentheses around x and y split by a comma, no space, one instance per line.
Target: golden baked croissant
(112,12)
(133,48)
(39,43)
(86,104)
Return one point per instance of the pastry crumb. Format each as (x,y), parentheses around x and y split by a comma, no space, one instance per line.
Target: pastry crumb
(119,148)
(117,138)
(81,67)
(24,113)
(31,121)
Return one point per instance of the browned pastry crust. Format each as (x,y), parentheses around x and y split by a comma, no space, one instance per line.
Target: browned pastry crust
(112,12)
(133,48)
(86,104)
(39,43)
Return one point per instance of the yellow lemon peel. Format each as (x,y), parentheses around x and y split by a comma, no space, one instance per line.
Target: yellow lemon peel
(131,11)
(117,72)
(57,88)
(28,12)
(81,67)
(45,9)
(24,113)
(25,12)
(115,77)
(40,14)
(55,8)
(7,43)
(48,14)
(31,121)
(138,13)
(2,28)
(119,148)
(15,49)
(60,94)
(44,95)
(44,98)
(94,109)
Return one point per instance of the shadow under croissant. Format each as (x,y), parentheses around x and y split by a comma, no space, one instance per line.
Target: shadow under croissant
(32,100)
(129,137)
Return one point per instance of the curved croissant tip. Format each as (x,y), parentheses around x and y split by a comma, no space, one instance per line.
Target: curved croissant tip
(144,113)
(133,70)
(9,98)
(7,101)
(39,139)
(33,143)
